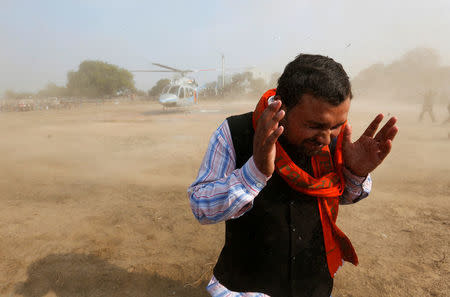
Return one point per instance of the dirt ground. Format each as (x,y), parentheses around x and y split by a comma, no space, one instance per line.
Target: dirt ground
(93,203)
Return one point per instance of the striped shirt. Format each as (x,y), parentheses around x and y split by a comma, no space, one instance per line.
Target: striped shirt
(222,192)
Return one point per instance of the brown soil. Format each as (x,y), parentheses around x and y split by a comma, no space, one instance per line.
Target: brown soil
(94,204)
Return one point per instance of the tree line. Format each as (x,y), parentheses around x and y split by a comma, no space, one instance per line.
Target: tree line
(97,79)
(93,79)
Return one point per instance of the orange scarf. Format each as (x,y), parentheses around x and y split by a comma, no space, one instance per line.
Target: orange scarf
(327,185)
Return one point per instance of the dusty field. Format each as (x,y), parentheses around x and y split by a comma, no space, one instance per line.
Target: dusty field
(93,203)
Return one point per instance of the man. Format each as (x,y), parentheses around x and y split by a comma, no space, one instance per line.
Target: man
(448,118)
(427,106)
(277,176)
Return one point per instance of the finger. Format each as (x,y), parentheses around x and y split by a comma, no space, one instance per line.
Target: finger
(391,133)
(270,141)
(381,135)
(278,116)
(272,124)
(270,111)
(385,149)
(270,119)
(347,134)
(370,131)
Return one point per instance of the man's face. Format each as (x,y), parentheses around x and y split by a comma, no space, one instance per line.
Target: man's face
(312,124)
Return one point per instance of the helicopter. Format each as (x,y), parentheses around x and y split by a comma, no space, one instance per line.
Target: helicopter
(181,91)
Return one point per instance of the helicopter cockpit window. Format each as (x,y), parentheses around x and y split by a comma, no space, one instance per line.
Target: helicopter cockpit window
(190,92)
(181,95)
(166,88)
(174,90)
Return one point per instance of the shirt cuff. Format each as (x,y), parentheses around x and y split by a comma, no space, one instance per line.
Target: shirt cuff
(352,178)
(254,180)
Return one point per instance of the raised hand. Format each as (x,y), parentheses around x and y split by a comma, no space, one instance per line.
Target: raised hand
(364,155)
(266,134)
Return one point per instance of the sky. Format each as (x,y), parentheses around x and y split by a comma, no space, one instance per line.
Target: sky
(40,41)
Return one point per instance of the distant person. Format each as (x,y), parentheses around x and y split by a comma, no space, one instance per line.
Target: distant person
(277,175)
(427,106)
(447,121)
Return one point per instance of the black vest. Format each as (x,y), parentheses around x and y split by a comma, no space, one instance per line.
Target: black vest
(277,247)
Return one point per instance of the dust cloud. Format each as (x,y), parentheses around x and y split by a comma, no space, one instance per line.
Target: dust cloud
(408,79)
(94,201)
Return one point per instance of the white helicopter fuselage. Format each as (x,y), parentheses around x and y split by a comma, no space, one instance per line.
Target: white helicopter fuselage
(179,95)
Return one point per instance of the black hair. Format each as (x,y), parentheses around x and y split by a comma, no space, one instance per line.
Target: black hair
(316,75)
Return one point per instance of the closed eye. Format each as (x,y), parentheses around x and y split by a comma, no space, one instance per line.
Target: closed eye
(323,127)
(337,126)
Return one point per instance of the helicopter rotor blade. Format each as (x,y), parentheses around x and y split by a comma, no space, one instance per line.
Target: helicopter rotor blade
(168,67)
(152,71)
(199,70)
